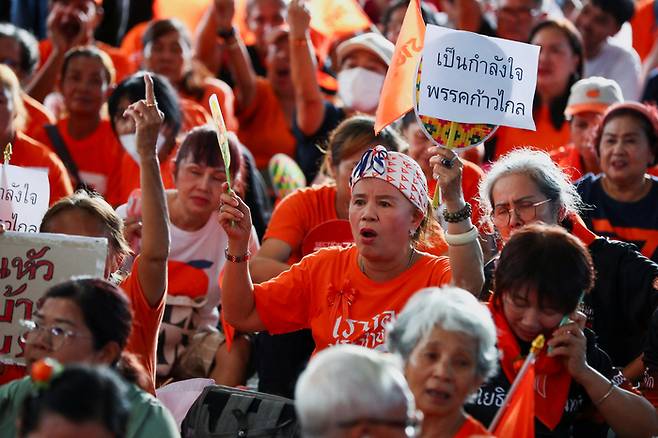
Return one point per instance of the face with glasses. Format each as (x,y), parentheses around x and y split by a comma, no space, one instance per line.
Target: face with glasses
(515,19)
(517,201)
(58,330)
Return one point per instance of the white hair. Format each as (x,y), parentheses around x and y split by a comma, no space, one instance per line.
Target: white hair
(347,383)
(541,169)
(452,309)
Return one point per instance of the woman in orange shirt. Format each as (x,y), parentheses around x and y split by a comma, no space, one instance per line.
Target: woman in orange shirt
(447,342)
(560,66)
(168,51)
(84,134)
(346,295)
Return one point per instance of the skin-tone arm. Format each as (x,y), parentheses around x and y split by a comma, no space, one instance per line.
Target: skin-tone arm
(238,304)
(205,42)
(466,261)
(627,414)
(44,80)
(238,59)
(152,266)
(309,103)
(270,260)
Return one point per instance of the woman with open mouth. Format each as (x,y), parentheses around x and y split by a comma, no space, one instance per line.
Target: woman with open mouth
(347,295)
(447,342)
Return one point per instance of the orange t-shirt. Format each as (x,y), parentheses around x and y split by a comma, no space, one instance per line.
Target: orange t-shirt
(644,27)
(97,156)
(122,64)
(298,213)
(568,158)
(28,152)
(193,114)
(37,116)
(327,292)
(471,427)
(130,178)
(263,126)
(225,97)
(131,43)
(545,138)
(145,325)
(472,174)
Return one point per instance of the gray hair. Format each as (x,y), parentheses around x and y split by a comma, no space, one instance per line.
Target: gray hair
(541,169)
(347,383)
(452,309)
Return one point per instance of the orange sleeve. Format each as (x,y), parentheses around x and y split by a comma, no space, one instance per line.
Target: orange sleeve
(146,324)
(472,176)
(289,219)
(283,303)
(193,114)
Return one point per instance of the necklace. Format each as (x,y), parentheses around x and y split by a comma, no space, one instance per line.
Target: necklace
(412,254)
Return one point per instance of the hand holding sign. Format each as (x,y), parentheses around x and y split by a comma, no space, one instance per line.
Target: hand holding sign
(148,120)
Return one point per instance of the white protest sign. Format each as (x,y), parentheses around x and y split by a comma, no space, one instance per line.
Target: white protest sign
(24,197)
(29,265)
(470,78)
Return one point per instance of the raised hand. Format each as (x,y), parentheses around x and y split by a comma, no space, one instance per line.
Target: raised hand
(299,19)
(148,120)
(235,219)
(447,169)
(224,13)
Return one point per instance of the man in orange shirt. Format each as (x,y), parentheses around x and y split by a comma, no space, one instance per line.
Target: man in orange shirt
(72,23)
(19,50)
(588,101)
(26,151)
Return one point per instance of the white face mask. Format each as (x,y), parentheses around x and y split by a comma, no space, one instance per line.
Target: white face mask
(129,143)
(359,88)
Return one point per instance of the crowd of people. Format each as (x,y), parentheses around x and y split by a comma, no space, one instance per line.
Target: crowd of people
(379,313)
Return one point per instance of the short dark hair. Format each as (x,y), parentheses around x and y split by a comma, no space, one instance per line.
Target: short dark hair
(548,260)
(28,44)
(104,307)
(425,11)
(80,393)
(159,28)
(201,143)
(621,10)
(133,89)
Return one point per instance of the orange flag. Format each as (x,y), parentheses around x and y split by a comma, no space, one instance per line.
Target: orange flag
(396,98)
(336,17)
(518,420)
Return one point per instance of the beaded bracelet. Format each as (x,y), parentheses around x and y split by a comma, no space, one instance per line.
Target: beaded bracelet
(237,259)
(460,215)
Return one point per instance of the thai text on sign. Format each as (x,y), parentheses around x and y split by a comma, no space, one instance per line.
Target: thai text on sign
(470,78)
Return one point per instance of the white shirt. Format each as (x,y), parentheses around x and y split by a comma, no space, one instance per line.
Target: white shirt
(619,64)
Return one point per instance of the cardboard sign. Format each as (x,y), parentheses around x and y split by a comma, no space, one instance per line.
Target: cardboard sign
(29,265)
(24,197)
(470,78)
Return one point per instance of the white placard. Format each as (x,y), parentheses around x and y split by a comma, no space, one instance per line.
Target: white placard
(29,265)
(470,78)
(24,197)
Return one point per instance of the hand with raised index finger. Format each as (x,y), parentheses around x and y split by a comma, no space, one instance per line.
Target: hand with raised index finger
(148,120)
(299,19)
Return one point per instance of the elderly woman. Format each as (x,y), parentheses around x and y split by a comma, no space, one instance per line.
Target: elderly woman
(447,341)
(542,273)
(346,294)
(527,186)
(624,198)
(88,321)
(373,398)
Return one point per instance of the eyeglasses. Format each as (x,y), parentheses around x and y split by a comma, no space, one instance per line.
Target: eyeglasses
(58,335)
(411,425)
(511,13)
(526,211)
